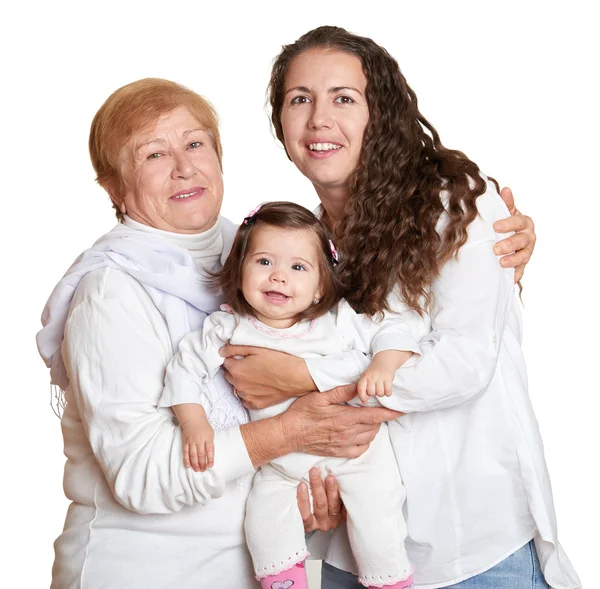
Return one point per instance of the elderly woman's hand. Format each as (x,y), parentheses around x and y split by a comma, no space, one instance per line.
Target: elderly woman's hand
(263,377)
(520,245)
(321,424)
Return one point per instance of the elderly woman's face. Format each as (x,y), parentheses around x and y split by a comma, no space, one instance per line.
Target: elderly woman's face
(172,176)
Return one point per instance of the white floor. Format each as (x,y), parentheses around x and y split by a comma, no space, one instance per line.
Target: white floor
(313,570)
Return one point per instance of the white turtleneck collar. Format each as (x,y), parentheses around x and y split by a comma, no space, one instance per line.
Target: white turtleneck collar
(206,247)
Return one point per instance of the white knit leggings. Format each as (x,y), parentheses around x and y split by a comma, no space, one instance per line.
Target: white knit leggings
(372,492)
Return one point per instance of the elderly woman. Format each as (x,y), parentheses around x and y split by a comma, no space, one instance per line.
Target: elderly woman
(137,517)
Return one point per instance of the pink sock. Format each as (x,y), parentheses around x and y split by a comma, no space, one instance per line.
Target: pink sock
(400,585)
(294,578)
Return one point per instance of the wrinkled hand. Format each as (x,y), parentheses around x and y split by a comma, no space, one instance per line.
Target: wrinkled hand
(263,377)
(198,447)
(519,246)
(320,425)
(328,511)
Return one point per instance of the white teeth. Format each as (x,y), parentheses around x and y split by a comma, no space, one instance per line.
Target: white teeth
(323,146)
(185,195)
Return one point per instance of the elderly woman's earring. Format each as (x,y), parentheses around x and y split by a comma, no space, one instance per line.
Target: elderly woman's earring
(316,301)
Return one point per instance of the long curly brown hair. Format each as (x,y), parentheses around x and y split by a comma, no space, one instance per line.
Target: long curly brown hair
(388,234)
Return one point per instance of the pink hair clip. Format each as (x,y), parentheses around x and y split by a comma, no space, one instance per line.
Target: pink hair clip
(248,219)
(334,254)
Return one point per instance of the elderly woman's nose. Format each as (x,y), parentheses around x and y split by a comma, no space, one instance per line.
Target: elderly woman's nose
(183,166)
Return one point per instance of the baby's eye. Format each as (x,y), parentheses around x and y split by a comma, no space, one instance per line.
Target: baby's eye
(299,267)
(299,100)
(264,261)
(344,100)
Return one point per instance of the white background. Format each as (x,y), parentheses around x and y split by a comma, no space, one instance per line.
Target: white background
(512,85)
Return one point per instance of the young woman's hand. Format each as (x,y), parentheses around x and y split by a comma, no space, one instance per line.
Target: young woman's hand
(263,377)
(515,250)
(327,510)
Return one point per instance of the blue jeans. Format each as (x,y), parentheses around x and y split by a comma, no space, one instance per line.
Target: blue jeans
(521,570)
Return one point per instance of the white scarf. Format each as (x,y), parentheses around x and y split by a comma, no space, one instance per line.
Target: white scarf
(168,272)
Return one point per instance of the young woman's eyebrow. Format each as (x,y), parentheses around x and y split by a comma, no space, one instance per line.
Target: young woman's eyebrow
(332,90)
(337,89)
(297,89)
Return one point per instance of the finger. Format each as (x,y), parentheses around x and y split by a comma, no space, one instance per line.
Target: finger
(388,388)
(380,389)
(228,376)
(201,457)
(319,495)
(374,415)
(194,457)
(186,456)
(519,271)
(514,243)
(340,394)
(509,200)
(334,501)
(517,222)
(304,507)
(210,454)
(229,350)
(371,388)
(356,451)
(519,258)
(361,389)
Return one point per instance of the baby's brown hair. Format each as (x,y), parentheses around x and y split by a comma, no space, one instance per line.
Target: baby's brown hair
(286,215)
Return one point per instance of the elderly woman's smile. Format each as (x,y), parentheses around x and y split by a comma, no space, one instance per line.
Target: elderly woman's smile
(172,176)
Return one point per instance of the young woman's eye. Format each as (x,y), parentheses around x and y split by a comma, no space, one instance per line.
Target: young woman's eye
(264,261)
(344,100)
(195,144)
(298,267)
(299,100)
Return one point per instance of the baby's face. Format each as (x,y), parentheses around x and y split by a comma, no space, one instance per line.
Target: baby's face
(280,274)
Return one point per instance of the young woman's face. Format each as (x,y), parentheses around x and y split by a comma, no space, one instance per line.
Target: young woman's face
(324,116)
(280,274)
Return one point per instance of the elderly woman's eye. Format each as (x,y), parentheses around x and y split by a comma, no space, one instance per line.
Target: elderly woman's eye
(195,144)
(154,156)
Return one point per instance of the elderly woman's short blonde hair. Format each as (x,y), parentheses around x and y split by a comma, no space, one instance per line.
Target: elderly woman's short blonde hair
(134,108)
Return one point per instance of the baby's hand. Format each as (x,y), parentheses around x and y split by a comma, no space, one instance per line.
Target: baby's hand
(374,381)
(198,446)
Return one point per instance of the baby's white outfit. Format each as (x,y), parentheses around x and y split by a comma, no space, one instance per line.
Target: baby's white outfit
(370,485)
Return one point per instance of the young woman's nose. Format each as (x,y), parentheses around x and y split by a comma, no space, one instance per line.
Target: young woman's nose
(321,116)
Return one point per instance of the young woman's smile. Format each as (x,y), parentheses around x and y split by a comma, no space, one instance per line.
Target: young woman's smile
(324,116)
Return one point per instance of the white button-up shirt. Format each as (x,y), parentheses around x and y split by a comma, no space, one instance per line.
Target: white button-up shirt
(469,448)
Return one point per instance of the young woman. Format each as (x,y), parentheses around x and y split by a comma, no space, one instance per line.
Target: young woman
(415,225)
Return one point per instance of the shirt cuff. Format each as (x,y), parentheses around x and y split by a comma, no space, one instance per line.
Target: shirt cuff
(394,341)
(231,454)
(335,370)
